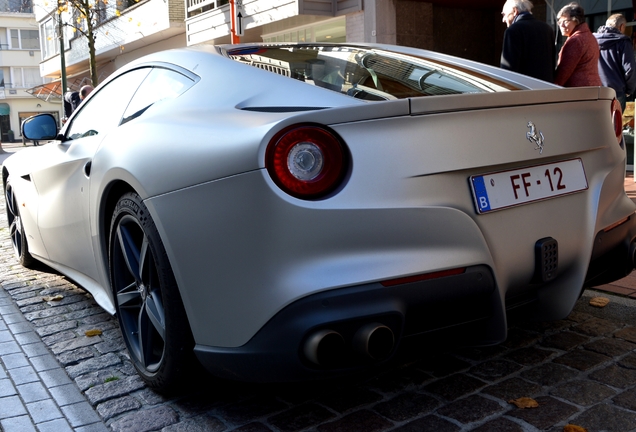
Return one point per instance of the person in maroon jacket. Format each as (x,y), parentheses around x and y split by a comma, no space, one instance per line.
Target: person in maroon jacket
(578,60)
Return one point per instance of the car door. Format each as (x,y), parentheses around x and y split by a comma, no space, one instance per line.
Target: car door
(63,184)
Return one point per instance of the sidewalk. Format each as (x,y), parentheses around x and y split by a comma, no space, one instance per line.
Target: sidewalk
(36,393)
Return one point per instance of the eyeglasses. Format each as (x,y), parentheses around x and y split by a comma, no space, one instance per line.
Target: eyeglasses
(564,22)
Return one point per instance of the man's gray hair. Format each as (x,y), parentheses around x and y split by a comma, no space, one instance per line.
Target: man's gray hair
(521,5)
(616,21)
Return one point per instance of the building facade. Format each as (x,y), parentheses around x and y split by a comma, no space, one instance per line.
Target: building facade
(128,29)
(19,68)
(466,28)
(124,30)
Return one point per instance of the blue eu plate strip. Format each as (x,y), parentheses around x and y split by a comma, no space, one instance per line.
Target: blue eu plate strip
(481,196)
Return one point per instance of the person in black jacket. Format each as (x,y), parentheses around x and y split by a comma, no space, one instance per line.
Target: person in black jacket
(71,101)
(529,44)
(616,65)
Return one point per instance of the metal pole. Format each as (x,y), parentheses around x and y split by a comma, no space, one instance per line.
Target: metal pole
(60,27)
(234,38)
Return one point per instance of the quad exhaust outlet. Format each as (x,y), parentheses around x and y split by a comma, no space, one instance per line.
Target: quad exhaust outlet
(324,348)
(374,341)
(328,348)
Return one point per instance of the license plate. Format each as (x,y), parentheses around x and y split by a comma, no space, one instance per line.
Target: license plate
(500,190)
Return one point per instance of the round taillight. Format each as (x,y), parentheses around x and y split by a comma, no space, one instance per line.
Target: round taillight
(306,161)
(617,120)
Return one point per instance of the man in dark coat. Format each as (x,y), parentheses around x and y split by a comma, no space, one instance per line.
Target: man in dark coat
(529,44)
(616,65)
(71,101)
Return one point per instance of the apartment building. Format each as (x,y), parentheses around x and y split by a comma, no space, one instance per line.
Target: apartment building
(466,28)
(469,28)
(19,67)
(129,29)
(125,30)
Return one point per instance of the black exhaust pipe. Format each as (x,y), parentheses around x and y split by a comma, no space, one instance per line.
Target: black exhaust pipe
(325,348)
(374,341)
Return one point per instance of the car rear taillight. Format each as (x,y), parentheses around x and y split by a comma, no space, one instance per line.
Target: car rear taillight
(306,161)
(617,119)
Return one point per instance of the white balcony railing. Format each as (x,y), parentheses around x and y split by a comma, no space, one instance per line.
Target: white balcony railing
(198,4)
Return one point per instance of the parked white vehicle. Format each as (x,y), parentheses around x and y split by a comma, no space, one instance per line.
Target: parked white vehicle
(286,212)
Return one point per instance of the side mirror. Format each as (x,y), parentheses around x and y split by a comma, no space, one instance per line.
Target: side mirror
(41,127)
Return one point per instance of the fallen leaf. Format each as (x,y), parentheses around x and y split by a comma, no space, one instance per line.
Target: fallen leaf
(573,428)
(53,298)
(599,302)
(524,402)
(91,333)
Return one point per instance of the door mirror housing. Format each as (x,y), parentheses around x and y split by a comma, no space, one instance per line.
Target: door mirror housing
(41,127)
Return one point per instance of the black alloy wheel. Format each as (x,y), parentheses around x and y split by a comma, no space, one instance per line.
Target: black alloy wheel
(149,308)
(16,230)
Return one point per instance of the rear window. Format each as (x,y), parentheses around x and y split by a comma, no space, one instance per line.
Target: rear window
(368,74)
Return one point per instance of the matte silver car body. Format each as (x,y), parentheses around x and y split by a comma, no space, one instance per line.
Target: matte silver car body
(243,251)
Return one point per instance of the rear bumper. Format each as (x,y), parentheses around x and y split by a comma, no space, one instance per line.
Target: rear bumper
(613,254)
(278,351)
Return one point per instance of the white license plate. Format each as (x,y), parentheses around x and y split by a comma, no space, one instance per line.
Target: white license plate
(500,190)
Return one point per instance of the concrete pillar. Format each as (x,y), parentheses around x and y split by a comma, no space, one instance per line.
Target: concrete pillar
(385,21)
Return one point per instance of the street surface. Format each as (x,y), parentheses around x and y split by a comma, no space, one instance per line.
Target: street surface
(580,370)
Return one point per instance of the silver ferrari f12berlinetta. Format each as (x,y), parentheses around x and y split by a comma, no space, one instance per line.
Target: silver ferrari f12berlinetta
(298,211)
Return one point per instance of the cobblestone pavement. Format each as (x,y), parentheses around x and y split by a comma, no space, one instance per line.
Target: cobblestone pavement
(580,370)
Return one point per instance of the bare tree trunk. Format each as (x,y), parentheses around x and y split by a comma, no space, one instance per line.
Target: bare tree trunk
(87,11)
(91,54)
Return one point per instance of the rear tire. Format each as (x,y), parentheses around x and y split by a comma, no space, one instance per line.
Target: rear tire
(16,229)
(149,308)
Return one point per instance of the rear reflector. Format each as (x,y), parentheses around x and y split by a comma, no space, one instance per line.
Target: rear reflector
(615,224)
(423,277)
(617,119)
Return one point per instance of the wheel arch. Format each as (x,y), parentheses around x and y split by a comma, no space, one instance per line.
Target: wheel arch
(109,199)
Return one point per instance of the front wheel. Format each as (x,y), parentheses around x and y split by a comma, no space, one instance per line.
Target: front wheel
(149,308)
(16,230)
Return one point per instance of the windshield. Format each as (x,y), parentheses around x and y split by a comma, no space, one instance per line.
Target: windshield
(369,74)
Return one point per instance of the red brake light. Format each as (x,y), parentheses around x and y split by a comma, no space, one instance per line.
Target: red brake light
(306,161)
(617,120)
